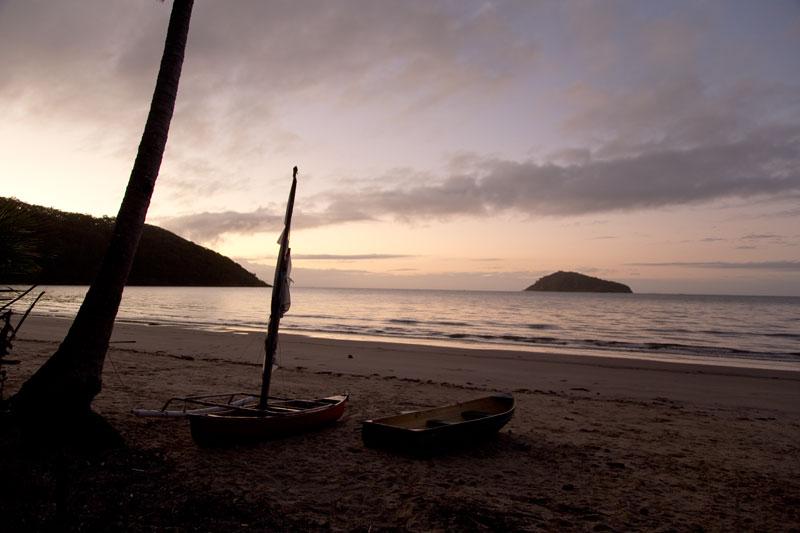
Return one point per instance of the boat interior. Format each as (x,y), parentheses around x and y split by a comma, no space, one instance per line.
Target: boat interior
(451,414)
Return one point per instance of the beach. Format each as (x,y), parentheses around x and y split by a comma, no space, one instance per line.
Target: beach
(596,443)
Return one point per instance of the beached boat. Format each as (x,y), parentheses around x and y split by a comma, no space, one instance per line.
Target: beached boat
(438,429)
(236,417)
(279,419)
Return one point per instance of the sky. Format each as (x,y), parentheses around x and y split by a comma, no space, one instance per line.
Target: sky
(449,144)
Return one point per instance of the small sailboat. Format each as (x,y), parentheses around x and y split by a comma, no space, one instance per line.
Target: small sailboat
(238,417)
(441,428)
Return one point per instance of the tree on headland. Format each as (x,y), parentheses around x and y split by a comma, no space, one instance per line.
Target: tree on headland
(18,243)
(60,393)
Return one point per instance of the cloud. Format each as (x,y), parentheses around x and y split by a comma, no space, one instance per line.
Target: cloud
(348,257)
(207,227)
(686,81)
(785,213)
(92,66)
(765,164)
(767,238)
(258,53)
(788,266)
(760,237)
(640,121)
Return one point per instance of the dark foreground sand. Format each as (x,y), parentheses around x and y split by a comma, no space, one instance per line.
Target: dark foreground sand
(596,444)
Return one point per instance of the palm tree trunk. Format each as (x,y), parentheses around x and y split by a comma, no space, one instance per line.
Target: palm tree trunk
(68,382)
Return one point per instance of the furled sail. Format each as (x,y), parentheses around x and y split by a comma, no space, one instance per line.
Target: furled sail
(284,278)
(286,300)
(280,296)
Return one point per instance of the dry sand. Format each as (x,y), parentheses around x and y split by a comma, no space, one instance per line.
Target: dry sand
(595,444)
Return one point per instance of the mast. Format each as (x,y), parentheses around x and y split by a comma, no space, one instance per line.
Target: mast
(276,308)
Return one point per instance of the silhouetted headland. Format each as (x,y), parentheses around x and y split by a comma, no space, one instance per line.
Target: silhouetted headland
(70,247)
(574,282)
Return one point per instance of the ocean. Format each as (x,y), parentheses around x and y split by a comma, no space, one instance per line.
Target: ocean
(738,329)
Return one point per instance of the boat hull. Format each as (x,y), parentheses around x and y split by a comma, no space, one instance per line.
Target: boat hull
(236,426)
(440,429)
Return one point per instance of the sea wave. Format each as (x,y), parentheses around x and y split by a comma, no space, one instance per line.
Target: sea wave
(756,328)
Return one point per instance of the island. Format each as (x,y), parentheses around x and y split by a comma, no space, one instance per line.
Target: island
(67,249)
(574,282)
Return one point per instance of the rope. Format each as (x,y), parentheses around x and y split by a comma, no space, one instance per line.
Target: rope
(123,387)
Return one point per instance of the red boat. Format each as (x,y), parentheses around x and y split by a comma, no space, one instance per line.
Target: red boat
(280,418)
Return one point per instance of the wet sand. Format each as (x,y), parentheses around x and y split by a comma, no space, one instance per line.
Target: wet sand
(596,443)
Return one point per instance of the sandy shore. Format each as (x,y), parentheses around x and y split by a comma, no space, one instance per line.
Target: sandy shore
(596,443)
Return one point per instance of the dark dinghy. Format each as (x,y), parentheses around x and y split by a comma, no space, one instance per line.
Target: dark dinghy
(436,430)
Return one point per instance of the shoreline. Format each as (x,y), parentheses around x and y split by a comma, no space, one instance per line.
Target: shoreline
(637,378)
(602,353)
(661,327)
(607,353)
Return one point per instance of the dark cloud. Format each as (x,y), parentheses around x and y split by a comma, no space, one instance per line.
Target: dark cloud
(289,46)
(256,52)
(674,79)
(790,266)
(766,164)
(675,113)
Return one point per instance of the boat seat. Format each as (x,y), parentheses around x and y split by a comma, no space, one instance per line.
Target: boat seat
(474,415)
(279,409)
